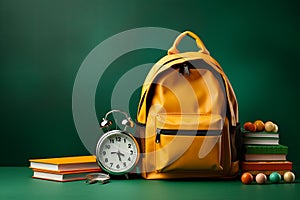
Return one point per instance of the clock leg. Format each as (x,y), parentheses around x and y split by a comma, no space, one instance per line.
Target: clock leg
(127,176)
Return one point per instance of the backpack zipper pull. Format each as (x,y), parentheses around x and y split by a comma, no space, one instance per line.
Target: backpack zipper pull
(157,139)
(186,70)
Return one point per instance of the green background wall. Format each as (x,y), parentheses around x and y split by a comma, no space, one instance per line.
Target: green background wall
(43,43)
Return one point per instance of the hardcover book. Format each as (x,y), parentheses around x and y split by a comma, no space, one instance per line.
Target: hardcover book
(65,163)
(261,141)
(265,157)
(266,149)
(261,134)
(267,166)
(62,176)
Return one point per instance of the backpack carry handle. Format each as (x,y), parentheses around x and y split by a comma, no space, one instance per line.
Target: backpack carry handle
(200,44)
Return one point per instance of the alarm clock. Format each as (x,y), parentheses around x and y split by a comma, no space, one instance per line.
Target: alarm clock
(117,151)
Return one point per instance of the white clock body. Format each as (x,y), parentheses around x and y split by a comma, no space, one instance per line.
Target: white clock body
(117,152)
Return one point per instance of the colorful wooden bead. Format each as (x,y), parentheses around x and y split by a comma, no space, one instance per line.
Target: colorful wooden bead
(289,177)
(275,130)
(246,178)
(246,124)
(252,127)
(260,125)
(275,177)
(261,178)
(269,126)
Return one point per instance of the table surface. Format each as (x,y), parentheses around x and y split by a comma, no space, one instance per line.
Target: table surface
(16,183)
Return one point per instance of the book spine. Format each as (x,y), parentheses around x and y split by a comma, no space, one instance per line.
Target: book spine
(265,157)
(268,167)
(260,142)
(266,172)
(272,149)
(252,135)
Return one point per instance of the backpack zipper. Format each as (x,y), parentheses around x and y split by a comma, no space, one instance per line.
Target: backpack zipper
(160,132)
(157,139)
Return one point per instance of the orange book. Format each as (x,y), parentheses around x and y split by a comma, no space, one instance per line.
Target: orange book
(62,176)
(267,166)
(65,163)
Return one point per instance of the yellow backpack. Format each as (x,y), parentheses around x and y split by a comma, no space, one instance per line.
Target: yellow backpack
(188,117)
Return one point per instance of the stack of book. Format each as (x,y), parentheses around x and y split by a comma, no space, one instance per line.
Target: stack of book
(263,153)
(64,168)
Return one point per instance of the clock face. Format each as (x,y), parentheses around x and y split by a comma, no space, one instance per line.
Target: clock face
(117,152)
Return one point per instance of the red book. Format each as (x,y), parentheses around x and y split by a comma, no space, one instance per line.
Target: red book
(270,166)
(265,157)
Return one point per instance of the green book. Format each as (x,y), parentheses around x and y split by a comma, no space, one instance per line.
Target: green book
(266,149)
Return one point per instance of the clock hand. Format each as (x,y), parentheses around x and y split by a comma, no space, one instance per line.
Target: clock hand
(118,153)
(121,154)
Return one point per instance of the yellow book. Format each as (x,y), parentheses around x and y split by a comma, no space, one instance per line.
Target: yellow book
(65,163)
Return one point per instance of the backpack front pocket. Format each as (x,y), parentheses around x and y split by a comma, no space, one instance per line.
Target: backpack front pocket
(188,143)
